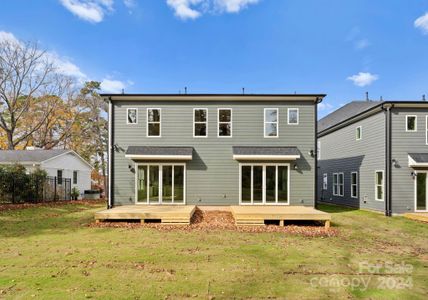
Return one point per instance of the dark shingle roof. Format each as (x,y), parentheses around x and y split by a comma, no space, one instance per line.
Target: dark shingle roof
(146,150)
(250,150)
(29,156)
(345,112)
(419,157)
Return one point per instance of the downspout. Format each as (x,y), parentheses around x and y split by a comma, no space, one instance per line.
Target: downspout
(388,159)
(109,153)
(317,101)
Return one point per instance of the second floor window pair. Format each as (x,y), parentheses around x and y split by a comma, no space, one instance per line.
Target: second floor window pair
(224,121)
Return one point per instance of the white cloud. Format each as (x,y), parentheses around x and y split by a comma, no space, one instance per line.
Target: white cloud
(234,6)
(363,78)
(325,106)
(192,9)
(7,36)
(89,10)
(422,23)
(357,39)
(113,86)
(129,3)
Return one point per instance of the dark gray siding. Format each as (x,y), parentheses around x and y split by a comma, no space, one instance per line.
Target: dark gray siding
(341,152)
(212,175)
(403,185)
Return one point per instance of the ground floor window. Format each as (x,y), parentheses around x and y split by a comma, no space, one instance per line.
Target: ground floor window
(264,183)
(160,183)
(324,181)
(379,185)
(338,184)
(354,184)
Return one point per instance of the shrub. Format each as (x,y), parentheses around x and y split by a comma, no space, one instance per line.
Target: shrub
(75,193)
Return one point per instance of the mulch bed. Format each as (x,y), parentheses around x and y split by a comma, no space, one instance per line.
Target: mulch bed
(206,221)
(7,207)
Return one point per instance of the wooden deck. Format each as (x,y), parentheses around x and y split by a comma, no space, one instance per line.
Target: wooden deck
(257,215)
(166,214)
(419,216)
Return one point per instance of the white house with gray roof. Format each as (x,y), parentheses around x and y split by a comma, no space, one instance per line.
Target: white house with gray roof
(57,163)
(374,155)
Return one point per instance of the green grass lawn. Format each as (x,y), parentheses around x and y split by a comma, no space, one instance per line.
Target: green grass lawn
(51,253)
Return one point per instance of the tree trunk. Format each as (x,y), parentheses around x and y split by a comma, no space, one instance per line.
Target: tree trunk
(10,145)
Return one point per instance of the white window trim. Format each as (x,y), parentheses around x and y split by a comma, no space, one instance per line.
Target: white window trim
(426,130)
(416,193)
(361,133)
(325,181)
(147,123)
(383,185)
(264,184)
(277,123)
(416,123)
(194,123)
(288,116)
(136,114)
(338,184)
(160,165)
(356,184)
(218,123)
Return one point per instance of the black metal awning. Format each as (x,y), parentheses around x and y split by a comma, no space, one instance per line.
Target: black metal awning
(159,153)
(265,153)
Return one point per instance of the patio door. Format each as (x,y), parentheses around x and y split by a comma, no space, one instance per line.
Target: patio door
(421,194)
(160,183)
(264,184)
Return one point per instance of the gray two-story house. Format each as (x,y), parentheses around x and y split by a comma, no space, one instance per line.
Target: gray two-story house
(212,149)
(374,155)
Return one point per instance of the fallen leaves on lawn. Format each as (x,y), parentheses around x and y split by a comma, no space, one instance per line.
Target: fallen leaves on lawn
(7,207)
(206,221)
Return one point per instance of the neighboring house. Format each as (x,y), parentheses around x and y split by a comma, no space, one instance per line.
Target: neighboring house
(212,149)
(57,163)
(374,155)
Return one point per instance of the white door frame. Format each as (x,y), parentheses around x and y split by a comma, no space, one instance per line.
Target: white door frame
(160,165)
(416,192)
(263,165)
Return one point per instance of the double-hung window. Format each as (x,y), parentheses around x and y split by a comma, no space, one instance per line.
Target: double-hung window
(338,184)
(293,116)
(200,122)
(411,123)
(354,185)
(271,122)
(224,122)
(153,122)
(59,176)
(379,186)
(324,181)
(132,116)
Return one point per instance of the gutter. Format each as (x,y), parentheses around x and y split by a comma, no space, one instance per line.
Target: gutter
(388,159)
(318,101)
(109,153)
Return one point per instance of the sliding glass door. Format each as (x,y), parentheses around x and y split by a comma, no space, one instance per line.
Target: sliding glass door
(160,183)
(264,183)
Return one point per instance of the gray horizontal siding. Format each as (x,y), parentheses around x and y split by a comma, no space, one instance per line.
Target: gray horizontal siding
(340,152)
(212,175)
(403,185)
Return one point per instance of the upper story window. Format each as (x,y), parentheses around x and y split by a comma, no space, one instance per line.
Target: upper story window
(200,122)
(318,149)
(293,116)
(411,123)
(359,133)
(271,122)
(154,122)
(224,122)
(132,116)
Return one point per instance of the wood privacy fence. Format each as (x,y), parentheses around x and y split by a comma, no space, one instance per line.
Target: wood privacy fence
(33,189)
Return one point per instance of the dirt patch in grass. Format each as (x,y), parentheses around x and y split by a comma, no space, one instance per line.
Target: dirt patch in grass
(223,220)
(7,207)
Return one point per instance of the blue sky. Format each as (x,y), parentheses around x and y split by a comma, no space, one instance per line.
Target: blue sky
(341,48)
